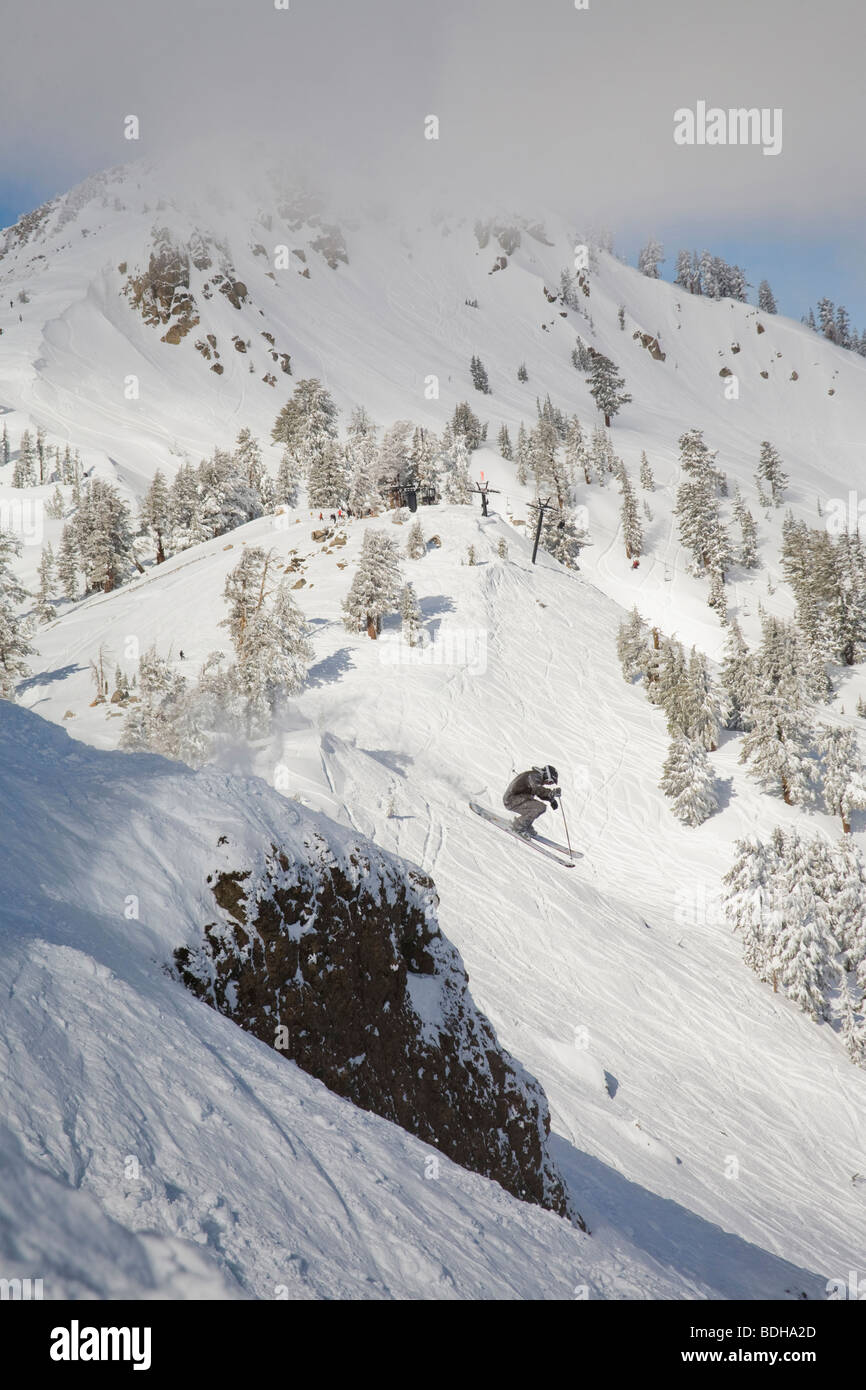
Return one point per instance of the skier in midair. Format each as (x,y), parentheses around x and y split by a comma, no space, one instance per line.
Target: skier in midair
(529,795)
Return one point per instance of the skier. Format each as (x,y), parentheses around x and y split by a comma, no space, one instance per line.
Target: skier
(527,795)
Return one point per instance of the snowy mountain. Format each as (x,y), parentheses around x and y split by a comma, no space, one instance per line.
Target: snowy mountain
(710,1133)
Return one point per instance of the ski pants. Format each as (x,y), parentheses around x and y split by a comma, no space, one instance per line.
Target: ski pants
(528,809)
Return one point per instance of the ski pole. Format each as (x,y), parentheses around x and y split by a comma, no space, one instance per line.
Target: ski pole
(565,823)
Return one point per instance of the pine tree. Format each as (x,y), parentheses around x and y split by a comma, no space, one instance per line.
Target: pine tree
(504,443)
(4,445)
(411,616)
(458,484)
(362,458)
(103,536)
(631,642)
(15,632)
(737,677)
(479,376)
(770,471)
(647,481)
(522,373)
(24,472)
(778,748)
(44,607)
(273,656)
(748,556)
(307,423)
(650,258)
(40,452)
(561,537)
(688,781)
(376,585)
(607,387)
(288,484)
(416,546)
(521,456)
(155,513)
(55,506)
(844,773)
(749,900)
(632,531)
(464,422)
(245,591)
(766,300)
(328,477)
(694,705)
(67,563)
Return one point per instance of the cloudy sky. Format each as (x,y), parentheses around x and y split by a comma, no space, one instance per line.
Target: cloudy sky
(539,104)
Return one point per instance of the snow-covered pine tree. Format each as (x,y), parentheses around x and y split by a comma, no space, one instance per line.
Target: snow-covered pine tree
(748,554)
(103,536)
(479,375)
(155,513)
(15,631)
(737,677)
(163,720)
(411,616)
(504,443)
(4,445)
(273,655)
(561,537)
(574,452)
(55,506)
(465,422)
(522,373)
(801,959)
(44,606)
(631,641)
(650,257)
(607,387)
(770,471)
(778,748)
(248,459)
(328,477)
(766,299)
(376,585)
(416,546)
(688,780)
(844,774)
(749,900)
(24,472)
(632,530)
(521,457)
(362,458)
(287,490)
(67,563)
(427,465)
(307,423)
(647,481)
(458,484)
(692,703)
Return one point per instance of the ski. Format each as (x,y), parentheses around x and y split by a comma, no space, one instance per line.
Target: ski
(538,843)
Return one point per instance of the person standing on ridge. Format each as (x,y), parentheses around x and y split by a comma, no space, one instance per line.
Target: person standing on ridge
(529,796)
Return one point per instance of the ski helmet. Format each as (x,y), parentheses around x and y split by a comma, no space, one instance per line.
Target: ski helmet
(548,772)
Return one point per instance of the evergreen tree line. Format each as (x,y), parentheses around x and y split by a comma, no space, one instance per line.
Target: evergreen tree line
(37,462)
(769,695)
(233,696)
(799,904)
(834,324)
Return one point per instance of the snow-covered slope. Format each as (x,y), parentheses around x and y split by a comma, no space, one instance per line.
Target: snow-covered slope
(162,1151)
(705,1127)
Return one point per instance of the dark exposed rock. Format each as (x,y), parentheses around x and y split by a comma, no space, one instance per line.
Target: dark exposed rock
(335,958)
